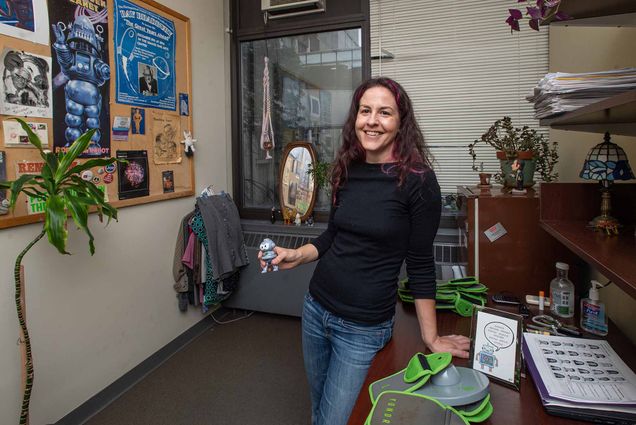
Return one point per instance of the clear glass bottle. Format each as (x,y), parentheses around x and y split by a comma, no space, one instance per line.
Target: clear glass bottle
(562,292)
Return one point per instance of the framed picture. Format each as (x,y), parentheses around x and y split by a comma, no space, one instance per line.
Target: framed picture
(496,345)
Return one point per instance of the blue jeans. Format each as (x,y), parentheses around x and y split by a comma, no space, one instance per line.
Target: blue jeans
(337,354)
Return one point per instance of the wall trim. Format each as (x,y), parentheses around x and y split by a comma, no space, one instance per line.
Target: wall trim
(112,392)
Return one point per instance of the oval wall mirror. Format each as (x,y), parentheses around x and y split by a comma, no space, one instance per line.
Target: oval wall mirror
(297,188)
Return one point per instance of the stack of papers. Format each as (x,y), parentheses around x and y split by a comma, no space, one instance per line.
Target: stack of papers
(581,378)
(561,92)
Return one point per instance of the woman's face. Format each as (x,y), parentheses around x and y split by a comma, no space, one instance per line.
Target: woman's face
(377,124)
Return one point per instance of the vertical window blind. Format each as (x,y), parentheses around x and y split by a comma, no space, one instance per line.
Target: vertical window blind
(462,69)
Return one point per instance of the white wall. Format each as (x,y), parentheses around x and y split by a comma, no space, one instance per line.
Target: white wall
(92,319)
(585,49)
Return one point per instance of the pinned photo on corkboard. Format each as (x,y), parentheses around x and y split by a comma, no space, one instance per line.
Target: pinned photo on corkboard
(133,177)
(166,146)
(138,116)
(26,84)
(167,178)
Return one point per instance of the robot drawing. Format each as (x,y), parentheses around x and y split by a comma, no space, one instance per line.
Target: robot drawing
(79,57)
(267,248)
(486,357)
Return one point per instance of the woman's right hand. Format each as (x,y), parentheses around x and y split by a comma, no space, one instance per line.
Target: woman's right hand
(285,258)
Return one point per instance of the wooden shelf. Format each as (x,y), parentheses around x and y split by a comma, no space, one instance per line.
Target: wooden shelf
(615,114)
(612,255)
(586,9)
(566,209)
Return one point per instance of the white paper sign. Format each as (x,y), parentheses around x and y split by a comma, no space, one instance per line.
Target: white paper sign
(495,232)
(15,136)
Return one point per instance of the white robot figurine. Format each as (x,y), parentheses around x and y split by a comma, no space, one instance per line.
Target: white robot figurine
(189,143)
(267,248)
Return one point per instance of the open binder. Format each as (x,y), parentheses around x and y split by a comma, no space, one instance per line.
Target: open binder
(578,382)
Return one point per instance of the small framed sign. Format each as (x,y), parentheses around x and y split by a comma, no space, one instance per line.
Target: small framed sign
(496,345)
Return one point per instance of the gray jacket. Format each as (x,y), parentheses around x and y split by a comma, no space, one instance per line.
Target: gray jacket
(225,236)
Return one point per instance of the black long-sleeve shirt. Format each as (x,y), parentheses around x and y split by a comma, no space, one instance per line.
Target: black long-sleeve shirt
(375,226)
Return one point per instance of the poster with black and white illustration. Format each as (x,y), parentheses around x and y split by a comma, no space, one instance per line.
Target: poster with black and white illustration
(145,57)
(133,176)
(25,19)
(81,93)
(165,130)
(26,84)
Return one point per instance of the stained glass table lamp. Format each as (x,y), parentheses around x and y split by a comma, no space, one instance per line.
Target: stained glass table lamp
(606,163)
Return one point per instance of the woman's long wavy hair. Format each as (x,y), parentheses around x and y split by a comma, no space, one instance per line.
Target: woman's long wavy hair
(410,152)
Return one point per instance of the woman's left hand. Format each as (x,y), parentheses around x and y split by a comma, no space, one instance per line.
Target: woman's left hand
(457,345)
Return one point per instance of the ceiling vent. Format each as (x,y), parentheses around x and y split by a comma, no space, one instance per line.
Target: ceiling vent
(277,9)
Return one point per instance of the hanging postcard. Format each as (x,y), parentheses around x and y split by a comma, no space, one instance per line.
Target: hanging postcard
(15,136)
(25,19)
(166,147)
(26,84)
(81,95)
(133,176)
(145,56)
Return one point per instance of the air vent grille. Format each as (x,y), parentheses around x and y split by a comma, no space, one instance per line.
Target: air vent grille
(253,239)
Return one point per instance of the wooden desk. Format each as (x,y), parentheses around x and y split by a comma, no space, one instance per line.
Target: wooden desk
(510,407)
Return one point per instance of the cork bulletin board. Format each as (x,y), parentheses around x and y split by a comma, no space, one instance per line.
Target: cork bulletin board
(121,66)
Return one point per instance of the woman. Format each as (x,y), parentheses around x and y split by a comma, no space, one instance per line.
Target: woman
(386,209)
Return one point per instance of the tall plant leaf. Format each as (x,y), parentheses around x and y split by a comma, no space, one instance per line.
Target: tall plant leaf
(16,187)
(79,212)
(55,223)
(73,152)
(87,165)
(34,139)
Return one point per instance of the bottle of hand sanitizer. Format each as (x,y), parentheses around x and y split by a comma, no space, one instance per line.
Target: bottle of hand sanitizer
(593,317)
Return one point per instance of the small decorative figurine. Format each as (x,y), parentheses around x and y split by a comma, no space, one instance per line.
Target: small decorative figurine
(272,217)
(297,221)
(267,248)
(189,143)
(517,173)
(288,215)
(310,221)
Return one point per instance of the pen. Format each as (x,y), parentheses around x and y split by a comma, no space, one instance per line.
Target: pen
(541,300)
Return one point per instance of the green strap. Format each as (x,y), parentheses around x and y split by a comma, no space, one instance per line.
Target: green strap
(463,308)
(422,365)
(482,415)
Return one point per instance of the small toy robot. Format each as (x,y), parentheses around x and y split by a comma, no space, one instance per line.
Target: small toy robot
(267,248)
(486,357)
(189,143)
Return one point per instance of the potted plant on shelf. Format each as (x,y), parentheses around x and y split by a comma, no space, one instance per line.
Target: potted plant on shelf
(525,145)
(484,178)
(65,194)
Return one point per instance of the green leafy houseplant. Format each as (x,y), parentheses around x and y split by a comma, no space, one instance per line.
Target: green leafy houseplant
(518,143)
(321,173)
(64,193)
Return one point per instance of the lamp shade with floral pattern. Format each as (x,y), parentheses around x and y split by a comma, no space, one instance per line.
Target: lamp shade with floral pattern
(606,161)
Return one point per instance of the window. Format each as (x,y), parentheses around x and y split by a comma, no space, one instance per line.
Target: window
(463,70)
(311,81)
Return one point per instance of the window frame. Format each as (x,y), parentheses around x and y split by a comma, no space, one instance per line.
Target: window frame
(291,27)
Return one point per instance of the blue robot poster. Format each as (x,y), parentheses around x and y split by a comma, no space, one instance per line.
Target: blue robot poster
(81,93)
(145,57)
